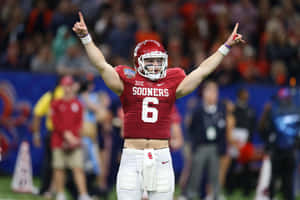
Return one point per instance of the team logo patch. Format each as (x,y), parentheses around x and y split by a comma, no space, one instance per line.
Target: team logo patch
(130,73)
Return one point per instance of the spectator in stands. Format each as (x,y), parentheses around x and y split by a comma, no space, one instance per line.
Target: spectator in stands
(12,59)
(64,15)
(66,115)
(74,62)
(276,35)
(13,25)
(166,18)
(103,22)
(227,73)
(39,19)
(44,60)
(62,41)
(145,31)
(121,37)
(279,72)
(250,69)
(175,53)
(208,138)
(278,46)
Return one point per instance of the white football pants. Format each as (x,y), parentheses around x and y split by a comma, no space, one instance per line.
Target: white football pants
(149,170)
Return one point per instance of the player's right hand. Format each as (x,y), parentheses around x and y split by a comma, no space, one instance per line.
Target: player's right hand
(80,27)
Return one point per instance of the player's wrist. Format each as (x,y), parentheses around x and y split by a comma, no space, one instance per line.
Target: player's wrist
(224,49)
(82,35)
(85,39)
(227,45)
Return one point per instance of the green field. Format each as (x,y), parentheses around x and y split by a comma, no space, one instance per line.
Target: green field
(7,194)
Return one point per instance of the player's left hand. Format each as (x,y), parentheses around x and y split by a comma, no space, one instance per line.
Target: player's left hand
(235,38)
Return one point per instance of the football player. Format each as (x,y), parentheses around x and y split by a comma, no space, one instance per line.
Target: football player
(148,92)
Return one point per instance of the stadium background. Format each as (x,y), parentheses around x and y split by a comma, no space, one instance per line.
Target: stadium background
(190,30)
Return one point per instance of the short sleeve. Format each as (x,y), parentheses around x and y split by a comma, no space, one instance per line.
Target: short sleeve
(180,75)
(125,72)
(177,75)
(119,69)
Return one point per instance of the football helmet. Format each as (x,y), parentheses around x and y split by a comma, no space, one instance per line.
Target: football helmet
(150,49)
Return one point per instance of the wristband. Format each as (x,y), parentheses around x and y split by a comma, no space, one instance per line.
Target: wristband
(226,45)
(86,39)
(224,50)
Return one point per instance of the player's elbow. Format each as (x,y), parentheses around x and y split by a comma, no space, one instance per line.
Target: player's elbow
(181,92)
(116,87)
(184,89)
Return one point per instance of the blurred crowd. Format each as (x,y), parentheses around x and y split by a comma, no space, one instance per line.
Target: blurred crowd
(36,35)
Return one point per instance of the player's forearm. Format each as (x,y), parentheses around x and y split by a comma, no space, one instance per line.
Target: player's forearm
(208,66)
(95,56)
(107,72)
(193,80)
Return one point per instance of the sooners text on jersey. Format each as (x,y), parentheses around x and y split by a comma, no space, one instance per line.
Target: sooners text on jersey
(148,104)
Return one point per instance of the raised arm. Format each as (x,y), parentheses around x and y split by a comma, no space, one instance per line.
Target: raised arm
(193,80)
(107,72)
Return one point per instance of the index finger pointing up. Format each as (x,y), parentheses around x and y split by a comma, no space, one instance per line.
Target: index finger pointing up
(236,27)
(81,17)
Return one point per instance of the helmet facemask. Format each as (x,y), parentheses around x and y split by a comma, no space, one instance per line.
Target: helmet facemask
(156,67)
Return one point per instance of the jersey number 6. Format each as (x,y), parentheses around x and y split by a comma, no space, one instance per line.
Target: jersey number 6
(146,109)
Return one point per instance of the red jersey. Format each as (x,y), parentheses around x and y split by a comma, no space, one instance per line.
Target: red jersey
(148,104)
(65,115)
